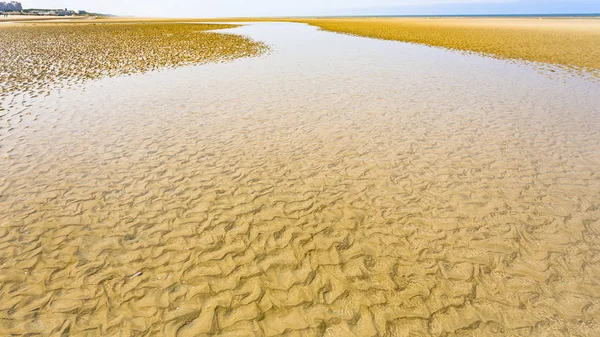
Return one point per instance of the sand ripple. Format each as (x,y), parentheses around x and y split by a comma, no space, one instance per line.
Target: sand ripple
(305,210)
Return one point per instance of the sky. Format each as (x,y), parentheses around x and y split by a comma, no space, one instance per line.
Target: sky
(237,8)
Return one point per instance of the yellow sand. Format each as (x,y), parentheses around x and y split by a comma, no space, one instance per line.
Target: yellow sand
(572,43)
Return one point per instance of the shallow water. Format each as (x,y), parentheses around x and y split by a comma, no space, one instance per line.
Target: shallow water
(338,186)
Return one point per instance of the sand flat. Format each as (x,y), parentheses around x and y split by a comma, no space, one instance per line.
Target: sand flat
(334,186)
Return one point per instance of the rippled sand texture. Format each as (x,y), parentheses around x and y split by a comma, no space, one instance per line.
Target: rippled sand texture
(336,187)
(35,56)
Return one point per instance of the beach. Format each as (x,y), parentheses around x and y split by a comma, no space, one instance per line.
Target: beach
(289,180)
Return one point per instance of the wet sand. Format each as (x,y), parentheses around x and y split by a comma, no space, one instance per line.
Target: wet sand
(40,56)
(338,186)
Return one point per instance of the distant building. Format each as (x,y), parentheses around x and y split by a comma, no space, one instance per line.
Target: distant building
(12,6)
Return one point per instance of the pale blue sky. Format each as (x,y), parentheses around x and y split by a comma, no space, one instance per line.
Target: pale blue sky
(224,8)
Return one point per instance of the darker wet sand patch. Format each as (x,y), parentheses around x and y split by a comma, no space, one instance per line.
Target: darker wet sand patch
(35,56)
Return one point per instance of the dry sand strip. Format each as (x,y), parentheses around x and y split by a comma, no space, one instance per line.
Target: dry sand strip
(563,42)
(35,56)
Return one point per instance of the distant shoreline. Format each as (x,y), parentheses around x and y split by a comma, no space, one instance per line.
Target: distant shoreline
(13,17)
(574,15)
